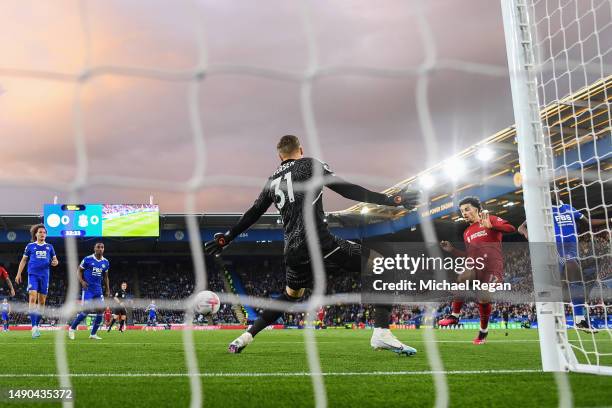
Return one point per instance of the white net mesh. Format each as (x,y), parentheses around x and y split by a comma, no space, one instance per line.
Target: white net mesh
(573,44)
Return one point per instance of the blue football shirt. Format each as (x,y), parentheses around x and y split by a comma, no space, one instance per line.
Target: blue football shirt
(565,217)
(39,258)
(94,272)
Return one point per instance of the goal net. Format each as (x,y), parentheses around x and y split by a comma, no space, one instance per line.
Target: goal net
(560,58)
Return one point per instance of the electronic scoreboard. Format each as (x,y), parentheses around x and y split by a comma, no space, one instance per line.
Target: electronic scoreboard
(101,220)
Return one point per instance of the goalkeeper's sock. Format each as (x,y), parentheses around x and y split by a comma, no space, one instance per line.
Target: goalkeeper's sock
(456,308)
(382,314)
(485,312)
(121,325)
(482,334)
(267,317)
(111,325)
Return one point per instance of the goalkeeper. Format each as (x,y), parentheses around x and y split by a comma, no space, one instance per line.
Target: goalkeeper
(294,169)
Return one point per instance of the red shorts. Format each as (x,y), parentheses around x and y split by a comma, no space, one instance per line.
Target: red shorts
(490,275)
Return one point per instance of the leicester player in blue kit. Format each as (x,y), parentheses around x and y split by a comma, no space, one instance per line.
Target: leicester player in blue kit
(565,219)
(6,311)
(38,256)
(152,309)
(92,271)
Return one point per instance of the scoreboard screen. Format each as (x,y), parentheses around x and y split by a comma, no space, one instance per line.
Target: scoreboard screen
(102,220)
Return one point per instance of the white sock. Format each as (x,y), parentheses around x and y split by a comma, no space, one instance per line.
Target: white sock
(380,330)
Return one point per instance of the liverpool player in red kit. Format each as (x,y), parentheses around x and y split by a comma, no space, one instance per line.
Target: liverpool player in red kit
(482,239)
(108,315)
(5,277)
(321,317)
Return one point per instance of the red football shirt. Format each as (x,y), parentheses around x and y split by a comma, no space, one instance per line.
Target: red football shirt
(486,243)
(3,273)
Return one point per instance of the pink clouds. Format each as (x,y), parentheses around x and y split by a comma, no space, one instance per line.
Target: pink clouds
(141,127)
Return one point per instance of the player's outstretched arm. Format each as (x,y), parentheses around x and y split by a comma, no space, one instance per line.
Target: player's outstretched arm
(107,284)
(10,286)
(500,224)
(54,261)
(406,198)
(450,248)
(221,240)
(80,275)
(522,229)
(595,222)
(20,268)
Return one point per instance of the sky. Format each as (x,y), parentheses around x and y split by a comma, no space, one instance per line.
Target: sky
(137,130)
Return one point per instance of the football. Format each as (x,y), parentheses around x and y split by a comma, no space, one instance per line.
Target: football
(206,303)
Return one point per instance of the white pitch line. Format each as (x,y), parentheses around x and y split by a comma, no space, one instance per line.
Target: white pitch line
(110,343)
(281,374)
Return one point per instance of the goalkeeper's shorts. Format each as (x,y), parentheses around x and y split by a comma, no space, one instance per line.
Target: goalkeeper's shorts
(340,253)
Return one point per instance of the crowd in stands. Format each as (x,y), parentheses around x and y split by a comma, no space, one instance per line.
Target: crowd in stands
(172,279)
(597,255)
(168,280)
(115,210)
(343,282)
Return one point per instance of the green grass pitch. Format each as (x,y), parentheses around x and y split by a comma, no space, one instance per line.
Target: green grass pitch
(143,224)
(147,369)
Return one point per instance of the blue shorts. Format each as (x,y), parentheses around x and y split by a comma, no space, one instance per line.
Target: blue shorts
(94,298)
(39,283)
(4,316)
(567,251)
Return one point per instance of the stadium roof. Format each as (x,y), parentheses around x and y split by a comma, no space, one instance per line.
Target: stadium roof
(574,121)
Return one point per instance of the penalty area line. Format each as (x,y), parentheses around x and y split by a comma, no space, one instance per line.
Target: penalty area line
(281,374)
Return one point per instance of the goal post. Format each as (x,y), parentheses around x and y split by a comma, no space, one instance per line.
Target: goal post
(539,171)
(533,162)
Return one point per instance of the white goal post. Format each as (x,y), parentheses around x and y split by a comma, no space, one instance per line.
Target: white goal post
(538,173)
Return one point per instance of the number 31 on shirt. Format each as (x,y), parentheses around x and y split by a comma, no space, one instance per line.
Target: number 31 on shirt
(280,193)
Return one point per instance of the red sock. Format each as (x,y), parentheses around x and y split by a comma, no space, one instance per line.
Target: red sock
(485,312)
(456,306)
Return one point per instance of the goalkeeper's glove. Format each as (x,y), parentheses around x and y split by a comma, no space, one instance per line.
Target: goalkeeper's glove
(216,245)
(405,198)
